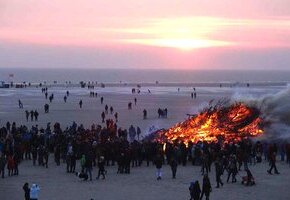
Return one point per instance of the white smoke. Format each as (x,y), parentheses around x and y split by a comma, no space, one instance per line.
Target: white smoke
(275,110)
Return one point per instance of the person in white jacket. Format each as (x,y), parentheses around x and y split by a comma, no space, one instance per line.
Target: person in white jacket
(34,190)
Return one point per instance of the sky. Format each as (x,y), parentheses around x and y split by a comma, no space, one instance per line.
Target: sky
(145,34)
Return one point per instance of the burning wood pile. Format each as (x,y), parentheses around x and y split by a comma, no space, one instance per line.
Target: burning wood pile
(222,121)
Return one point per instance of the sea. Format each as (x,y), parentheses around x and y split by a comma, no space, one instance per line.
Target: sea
(146,76)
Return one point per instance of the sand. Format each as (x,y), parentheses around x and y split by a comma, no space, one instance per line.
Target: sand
(141,183)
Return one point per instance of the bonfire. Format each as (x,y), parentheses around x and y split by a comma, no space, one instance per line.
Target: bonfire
(220,122)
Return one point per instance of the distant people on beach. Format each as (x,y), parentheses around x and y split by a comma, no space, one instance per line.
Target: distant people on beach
(46,108)
(130,106)
(162,113)
(81,103)
(144,114)
(20,104)
(116,116)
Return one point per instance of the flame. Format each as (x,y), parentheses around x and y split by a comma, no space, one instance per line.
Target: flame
(226,123)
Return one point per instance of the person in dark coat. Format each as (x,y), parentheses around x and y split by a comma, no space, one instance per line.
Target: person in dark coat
(194,190)
(206,187)
(101,166)
(218,171)
(173,165)
(26,191)
(272,158)
(158,164)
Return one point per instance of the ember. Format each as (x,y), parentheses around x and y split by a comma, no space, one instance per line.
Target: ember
(220,122)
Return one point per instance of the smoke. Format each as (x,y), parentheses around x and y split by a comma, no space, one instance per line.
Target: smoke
(275,111)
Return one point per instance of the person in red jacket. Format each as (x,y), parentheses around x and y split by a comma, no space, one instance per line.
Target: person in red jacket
(10,165)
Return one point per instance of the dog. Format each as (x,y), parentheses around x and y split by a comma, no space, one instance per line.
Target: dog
(82,175)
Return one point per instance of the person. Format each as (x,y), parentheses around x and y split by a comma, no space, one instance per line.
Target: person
(2,164)
(233,170)
(206,187)
(31,115)
(129,105)
(26,191)
(103,115)
(102,100)
(83,162)
(106,108)
(36,115)
(158,164)
(138,132)
(218,171)
(272,161)
(101,166)
(89,165)
(194,190)
(27,115)
(144,114)
(173,165)
(46,108)
(65,98)
(10,165)
(20,104)
(34,190)
(111,110)
(81,103)
(116,116)
(135,100)
(249,179)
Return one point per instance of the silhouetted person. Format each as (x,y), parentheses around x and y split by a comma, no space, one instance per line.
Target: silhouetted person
(20,104)
(144,114)
(65,98)
(106,108)
(135,100)
(206,187)
(116,116)
(102,100)
(36,115)
(27,115)
(81,103)
(103,115)
(111,110)
(26,191)
(31,115)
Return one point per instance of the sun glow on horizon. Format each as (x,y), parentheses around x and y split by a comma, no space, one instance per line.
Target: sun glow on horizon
(179,43)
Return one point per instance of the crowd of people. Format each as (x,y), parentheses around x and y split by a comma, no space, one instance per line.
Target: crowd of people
(107,145)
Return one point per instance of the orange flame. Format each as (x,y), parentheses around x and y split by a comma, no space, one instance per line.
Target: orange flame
(230,123)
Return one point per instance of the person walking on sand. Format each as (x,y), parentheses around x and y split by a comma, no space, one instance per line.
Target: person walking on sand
(206,187)
(158,164)
(20,104)
(135,101)
(194,190)
(173,165)
(116,117)
(101,166)
(34,192)
(36,115)
(144,114)
(26,191)
(81,103)
(27,115)
(31,115)
(103,115)
(111,110)
(272,161)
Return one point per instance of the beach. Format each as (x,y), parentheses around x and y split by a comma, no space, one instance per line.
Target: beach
(141,183)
